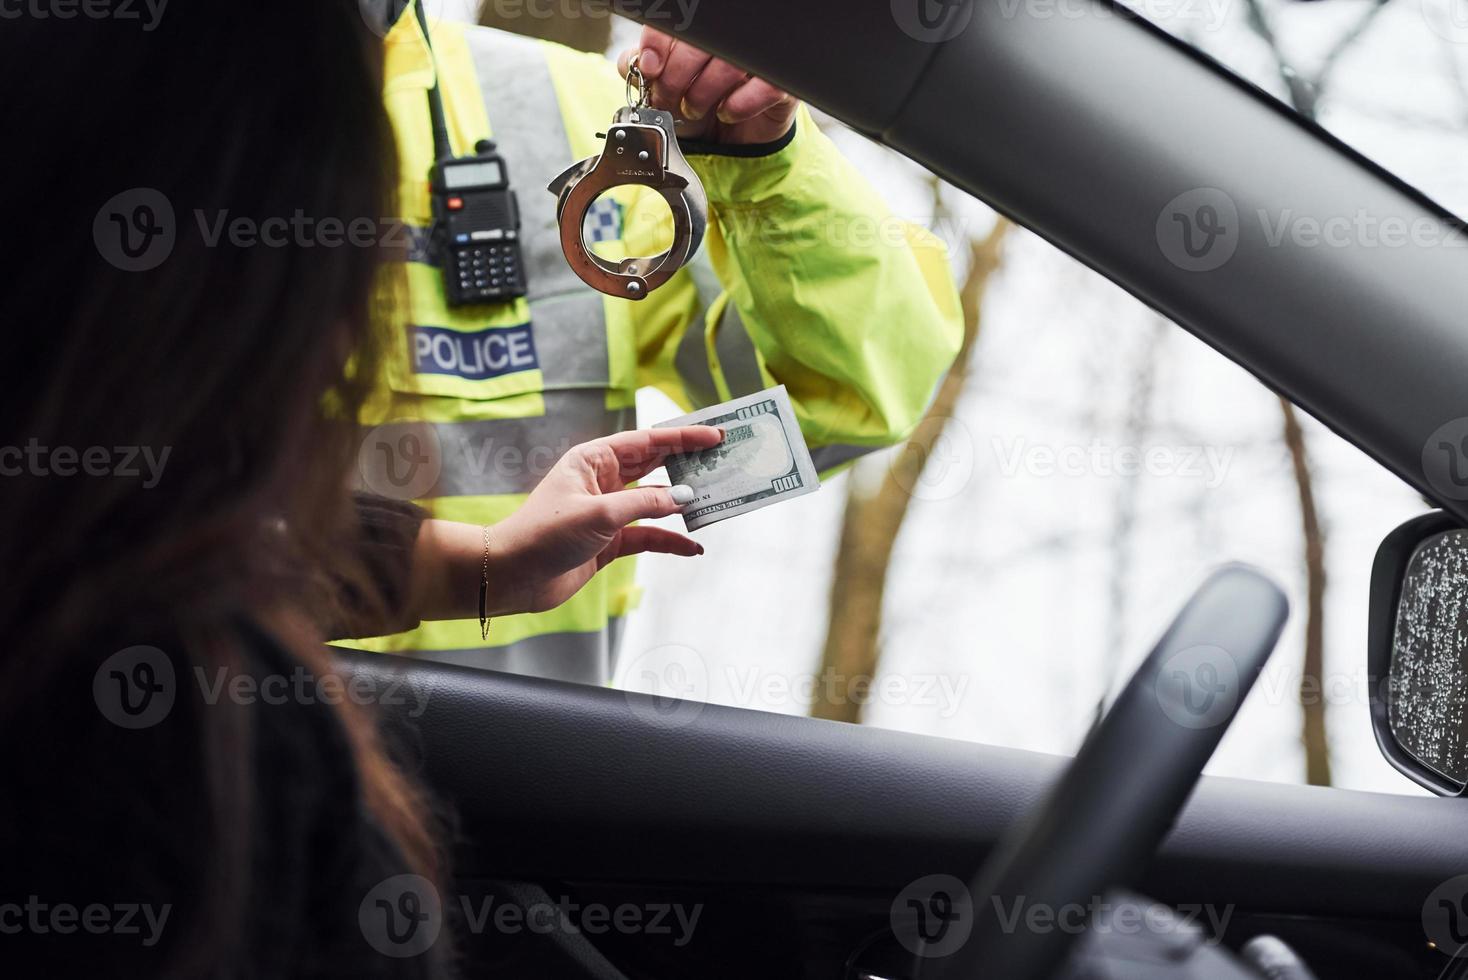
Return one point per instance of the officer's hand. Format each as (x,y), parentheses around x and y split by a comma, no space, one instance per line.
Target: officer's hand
(719,101)
(575,521)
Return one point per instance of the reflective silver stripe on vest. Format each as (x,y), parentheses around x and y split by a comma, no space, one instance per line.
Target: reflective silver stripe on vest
(581,658)
(525,117)
(496,456)
(737,357)
(571,340)
(691,359)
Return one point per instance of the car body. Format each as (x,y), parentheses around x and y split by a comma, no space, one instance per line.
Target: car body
(795,837)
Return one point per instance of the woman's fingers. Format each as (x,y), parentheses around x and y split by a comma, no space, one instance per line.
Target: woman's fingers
(641,451)
(622,507)
(659,540)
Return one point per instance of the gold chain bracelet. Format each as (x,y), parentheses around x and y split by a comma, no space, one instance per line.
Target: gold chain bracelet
(484,590)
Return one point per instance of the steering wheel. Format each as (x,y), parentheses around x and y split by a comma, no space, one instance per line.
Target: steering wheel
(1120,795)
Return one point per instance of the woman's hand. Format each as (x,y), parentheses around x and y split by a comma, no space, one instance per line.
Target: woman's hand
(717,101)
(573,524)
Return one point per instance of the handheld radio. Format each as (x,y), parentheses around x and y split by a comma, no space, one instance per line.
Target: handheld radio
(476,228)
(476,217)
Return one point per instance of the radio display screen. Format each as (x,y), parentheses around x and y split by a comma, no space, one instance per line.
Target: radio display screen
(472,174)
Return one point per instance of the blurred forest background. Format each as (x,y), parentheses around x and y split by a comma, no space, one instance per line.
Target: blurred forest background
(996,578)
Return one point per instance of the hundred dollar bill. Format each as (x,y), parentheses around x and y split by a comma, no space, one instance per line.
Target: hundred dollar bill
(762,460)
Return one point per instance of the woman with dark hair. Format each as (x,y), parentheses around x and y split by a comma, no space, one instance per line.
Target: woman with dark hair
(228,834)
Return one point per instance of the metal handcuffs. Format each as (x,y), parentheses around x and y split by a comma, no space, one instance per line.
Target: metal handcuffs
(641,148)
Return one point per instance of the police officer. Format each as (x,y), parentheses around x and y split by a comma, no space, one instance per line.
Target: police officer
(805,279)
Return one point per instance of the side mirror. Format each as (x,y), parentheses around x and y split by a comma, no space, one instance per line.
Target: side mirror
(1418,652)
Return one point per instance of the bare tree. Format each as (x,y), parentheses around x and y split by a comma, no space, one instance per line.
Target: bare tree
(1305,92)
(872,521)
(1312,701)
(1124,516)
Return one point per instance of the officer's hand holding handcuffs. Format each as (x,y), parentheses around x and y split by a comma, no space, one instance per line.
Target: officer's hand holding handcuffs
(673,90)
(719,102)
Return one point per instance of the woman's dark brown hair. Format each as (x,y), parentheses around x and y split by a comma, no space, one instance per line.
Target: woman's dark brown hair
(174,289)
